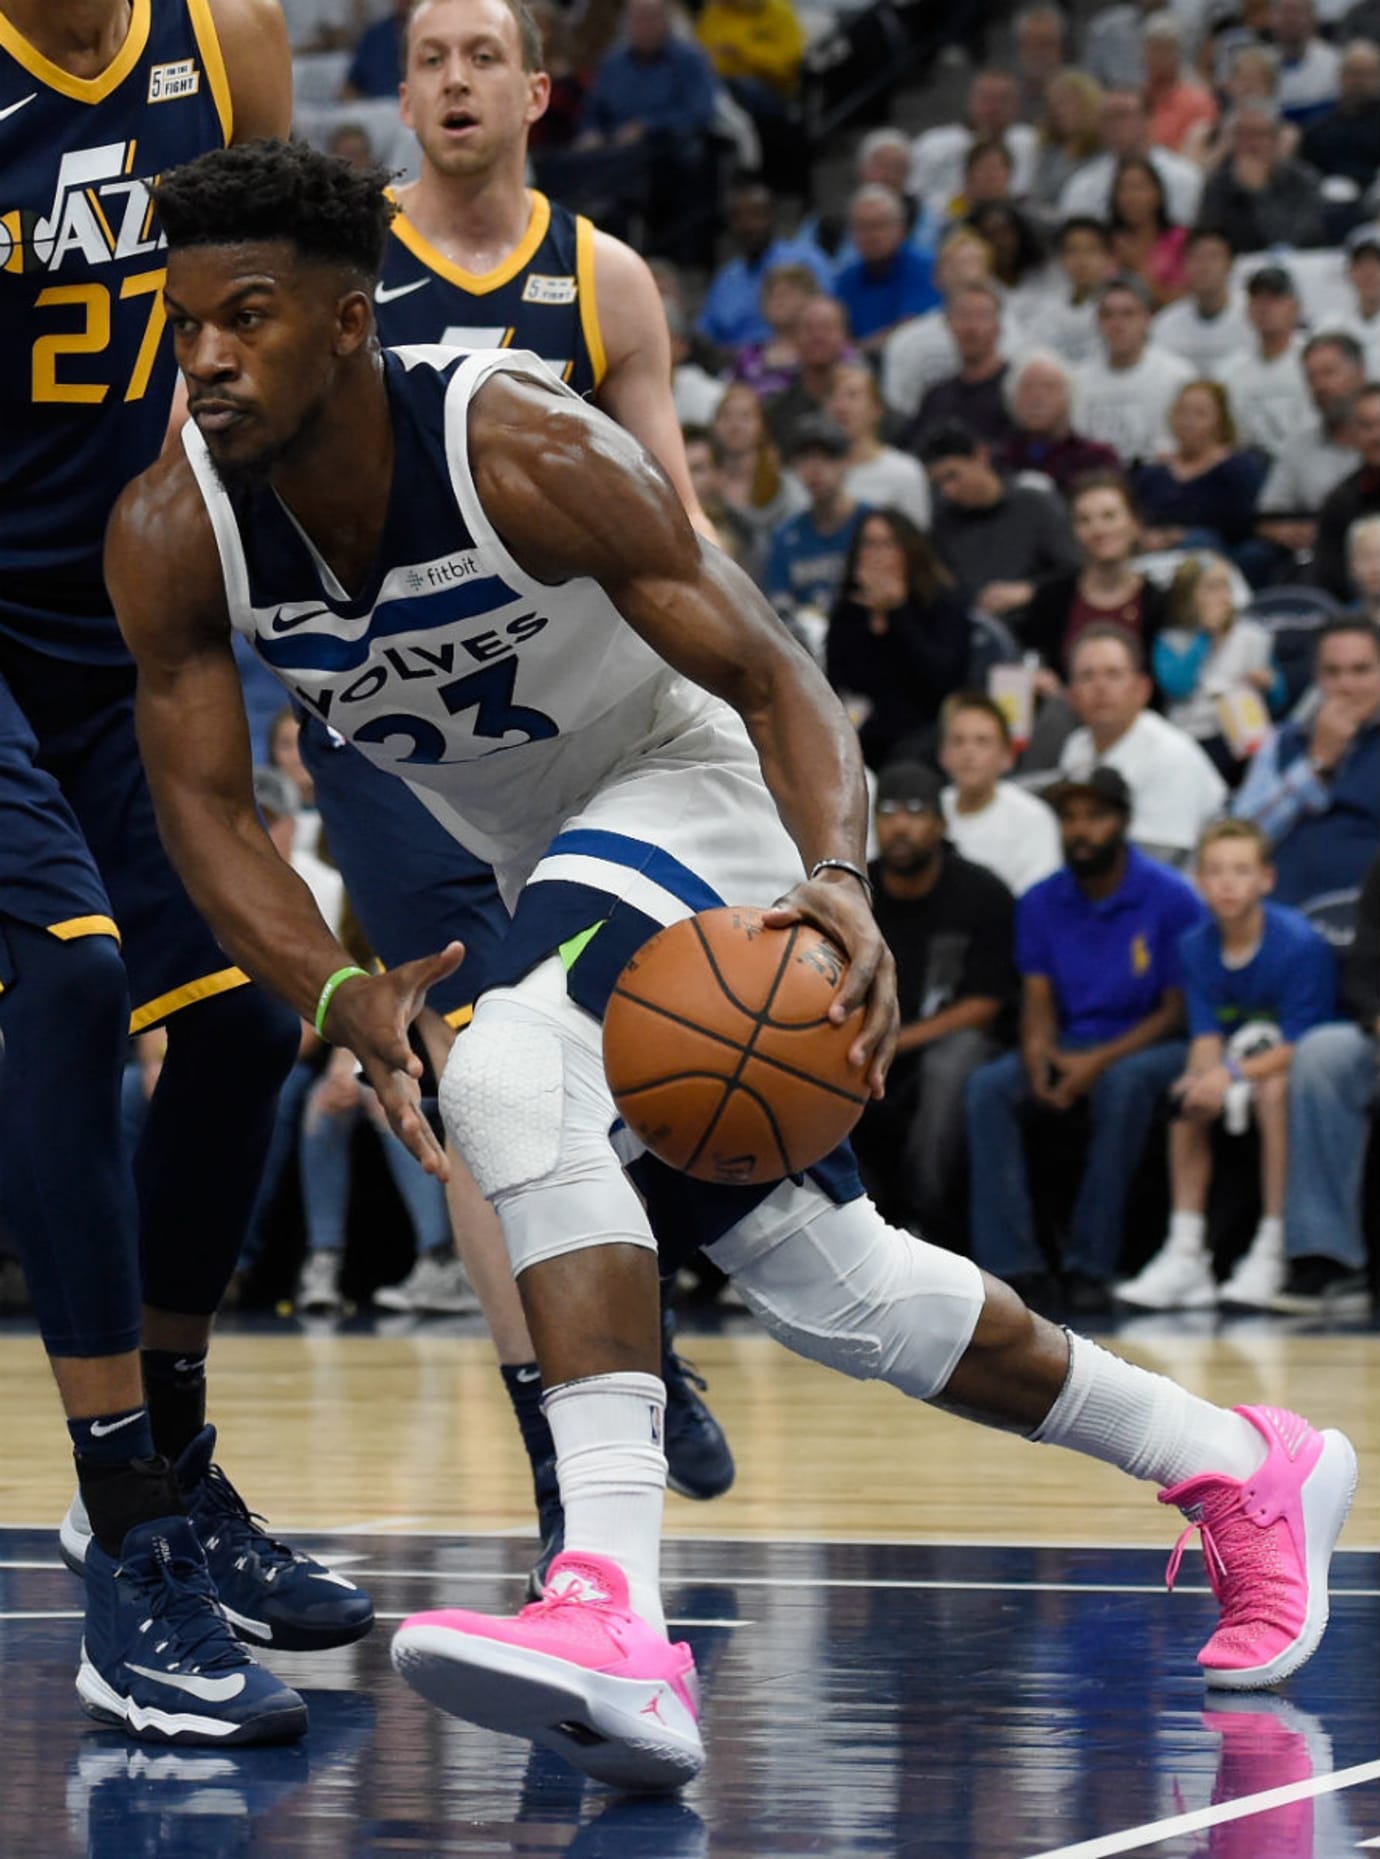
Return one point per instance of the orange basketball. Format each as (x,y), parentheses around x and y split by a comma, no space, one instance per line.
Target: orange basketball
(720,1052)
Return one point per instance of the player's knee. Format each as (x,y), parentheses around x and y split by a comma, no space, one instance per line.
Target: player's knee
(849,1291)
(502,1101)
(79,985)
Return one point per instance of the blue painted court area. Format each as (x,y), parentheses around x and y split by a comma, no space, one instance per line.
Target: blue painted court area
(956,1703)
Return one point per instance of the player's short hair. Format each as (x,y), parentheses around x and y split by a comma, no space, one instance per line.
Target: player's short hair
(1220,830)
(528,29)
(955,704)
(261,192)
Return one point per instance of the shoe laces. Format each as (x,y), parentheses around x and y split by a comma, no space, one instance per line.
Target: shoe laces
(224,1513)
(1240,1558)
(180,1594)
(681,1374)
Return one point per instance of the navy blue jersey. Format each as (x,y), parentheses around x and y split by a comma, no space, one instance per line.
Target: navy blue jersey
(540,298)
(88,377)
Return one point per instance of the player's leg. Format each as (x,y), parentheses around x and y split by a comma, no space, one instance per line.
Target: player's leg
(197,1169)
(1180,1275)
(1269,1492)
(70,1204)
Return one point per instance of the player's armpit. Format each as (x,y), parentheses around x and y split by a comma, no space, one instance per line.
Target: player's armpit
(258,66)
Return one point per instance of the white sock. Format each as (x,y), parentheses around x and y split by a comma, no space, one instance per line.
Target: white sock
(1143,1423)
(611,1464)
(1187,1231)
(1269,1235)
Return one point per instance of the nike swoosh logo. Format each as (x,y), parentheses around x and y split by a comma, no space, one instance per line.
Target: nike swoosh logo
(99,1432)
(330,1575)
(11,108)
(382,293)
(529,1374)
(209,1690)
(284,622)
(184,1367)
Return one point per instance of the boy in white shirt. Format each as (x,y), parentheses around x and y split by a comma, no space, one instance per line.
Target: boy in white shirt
(992,821)
(1208,326)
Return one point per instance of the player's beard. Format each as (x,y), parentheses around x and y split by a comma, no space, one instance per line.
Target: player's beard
(248,473)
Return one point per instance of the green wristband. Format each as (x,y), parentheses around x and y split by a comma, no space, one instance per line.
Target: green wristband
(323,1005)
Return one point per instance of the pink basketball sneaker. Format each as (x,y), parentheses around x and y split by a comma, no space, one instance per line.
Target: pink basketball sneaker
(577,1671)
(1267,1542)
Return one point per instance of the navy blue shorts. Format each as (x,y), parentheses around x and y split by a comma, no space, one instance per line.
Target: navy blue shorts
(412,887)
(79,848)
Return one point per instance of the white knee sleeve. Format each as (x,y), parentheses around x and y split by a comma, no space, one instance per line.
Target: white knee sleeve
(525,1101)
(837,1284)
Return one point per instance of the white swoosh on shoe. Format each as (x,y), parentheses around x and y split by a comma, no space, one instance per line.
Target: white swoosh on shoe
(210,1690)
(328,1575)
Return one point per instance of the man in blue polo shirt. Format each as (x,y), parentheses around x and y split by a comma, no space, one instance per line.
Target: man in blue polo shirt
(1102,1019)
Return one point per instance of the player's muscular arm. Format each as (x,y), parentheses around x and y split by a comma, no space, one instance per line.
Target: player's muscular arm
(195,746)
(258,64)
(636,388)
(572,494)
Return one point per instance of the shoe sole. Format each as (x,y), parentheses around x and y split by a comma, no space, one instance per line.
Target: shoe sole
(597,1723)
(148,1725)
(699,1493)
(1122,1295)
(1350,1304)
(1326,1501)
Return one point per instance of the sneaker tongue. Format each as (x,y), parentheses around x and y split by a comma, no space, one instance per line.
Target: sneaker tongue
(166,1539)
(196,1458)
(574,1577)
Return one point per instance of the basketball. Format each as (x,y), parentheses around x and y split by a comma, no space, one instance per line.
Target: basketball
(720,1052)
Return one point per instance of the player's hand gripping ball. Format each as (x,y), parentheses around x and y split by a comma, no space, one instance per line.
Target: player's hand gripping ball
(720,1052)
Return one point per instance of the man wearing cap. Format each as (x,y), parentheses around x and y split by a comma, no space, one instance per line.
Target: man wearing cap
(1123,395)
(808,552)
(950,925)
(1102,1019)
(1174,788)
(1266,386)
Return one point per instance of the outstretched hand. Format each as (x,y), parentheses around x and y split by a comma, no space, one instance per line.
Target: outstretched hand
(371,1014)
(838,906)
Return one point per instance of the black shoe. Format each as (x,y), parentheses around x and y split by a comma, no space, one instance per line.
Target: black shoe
(1323,1287)
(1038,1291)
(550,1524)
(699,1463)
(1085,1296)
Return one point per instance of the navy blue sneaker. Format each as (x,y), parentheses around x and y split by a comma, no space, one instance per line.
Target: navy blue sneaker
(158,1658)
(272,1595)
(550,1524)
(699,1462)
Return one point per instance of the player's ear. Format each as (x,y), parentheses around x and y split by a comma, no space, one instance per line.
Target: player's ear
(538,95)
(355,322)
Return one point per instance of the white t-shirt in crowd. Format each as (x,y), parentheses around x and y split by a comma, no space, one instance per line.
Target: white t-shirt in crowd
(1204,342)
(1088,190)
(921,351)
(1128,408)
(1314,79)
(892,481)
(1015,835)
(1308,468)
(937,157)
(696,394)
(1067,328)
(1270,401)
(1175,790)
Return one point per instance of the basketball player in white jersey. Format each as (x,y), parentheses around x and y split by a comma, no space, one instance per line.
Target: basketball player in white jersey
(475,259)
(501,601)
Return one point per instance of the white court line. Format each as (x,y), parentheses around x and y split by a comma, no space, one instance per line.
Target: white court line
(1154,1832)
